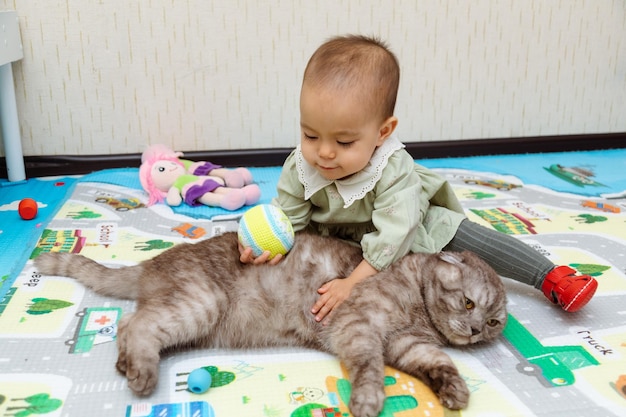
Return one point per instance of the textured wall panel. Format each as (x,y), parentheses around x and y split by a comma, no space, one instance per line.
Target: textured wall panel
(111,76)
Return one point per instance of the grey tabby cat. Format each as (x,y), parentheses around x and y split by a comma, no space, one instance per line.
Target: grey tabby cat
(201,294)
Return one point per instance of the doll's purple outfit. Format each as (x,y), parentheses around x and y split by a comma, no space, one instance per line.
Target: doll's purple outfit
(192,186)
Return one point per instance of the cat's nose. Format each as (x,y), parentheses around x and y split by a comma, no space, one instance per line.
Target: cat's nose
(475,331)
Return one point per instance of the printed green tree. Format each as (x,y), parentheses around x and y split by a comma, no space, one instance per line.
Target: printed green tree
(45,306)
(83,214)
(153,244)
(35,404)
(594,270)
(219,378)
(479,195)
(589,218)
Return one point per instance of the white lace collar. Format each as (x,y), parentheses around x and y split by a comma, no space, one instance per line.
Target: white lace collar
(356,186)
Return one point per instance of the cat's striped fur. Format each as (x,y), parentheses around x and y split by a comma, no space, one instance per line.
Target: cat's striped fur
(201,294)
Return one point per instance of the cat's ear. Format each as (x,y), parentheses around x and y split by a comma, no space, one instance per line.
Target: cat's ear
(453,258)
(448,271)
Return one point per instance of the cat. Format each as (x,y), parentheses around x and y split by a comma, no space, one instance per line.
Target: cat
(202,295)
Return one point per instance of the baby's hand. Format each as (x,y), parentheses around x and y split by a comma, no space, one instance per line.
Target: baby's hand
(332,294)
(247,257)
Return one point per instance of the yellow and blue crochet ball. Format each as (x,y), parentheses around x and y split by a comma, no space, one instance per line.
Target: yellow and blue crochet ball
(266,228)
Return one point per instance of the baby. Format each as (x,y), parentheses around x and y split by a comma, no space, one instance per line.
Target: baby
(351,177)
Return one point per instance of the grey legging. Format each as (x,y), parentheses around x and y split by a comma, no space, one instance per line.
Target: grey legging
(508,256)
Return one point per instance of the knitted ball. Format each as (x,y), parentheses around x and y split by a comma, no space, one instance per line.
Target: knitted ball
(266,227)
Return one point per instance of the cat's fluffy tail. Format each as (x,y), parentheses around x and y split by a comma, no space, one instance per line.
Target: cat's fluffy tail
(113,282)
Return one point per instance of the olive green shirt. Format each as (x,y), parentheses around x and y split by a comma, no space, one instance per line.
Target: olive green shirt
(410,209)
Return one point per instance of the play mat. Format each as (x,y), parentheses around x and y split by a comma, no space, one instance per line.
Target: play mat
(58,351)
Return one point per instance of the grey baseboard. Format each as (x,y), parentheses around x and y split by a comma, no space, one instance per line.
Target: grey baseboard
(39,166)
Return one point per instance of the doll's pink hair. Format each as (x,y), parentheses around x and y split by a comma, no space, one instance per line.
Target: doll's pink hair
(153,154)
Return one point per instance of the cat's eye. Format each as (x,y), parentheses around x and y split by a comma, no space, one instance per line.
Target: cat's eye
(492,322)
(469,304)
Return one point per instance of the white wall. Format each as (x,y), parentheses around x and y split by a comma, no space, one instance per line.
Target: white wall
(111,76)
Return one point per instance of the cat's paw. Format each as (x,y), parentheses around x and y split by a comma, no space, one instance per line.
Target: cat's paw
(142,379)
(121,343)
(366,401)
(452,389)
(120,365)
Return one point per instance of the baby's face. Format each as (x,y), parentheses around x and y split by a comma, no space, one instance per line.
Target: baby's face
(339,133)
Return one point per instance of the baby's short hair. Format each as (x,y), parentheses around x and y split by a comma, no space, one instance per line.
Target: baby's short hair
(357,62)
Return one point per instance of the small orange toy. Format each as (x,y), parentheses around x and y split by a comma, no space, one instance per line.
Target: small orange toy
(27,209)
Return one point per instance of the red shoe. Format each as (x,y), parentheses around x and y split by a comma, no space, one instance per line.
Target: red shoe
(562,286)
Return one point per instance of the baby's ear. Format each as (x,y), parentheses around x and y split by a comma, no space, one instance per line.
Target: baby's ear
(386,129)
(448,270)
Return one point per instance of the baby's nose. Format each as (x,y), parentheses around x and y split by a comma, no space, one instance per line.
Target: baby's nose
(326,151)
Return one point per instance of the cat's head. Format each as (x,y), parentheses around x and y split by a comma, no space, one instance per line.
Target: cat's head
(467,299)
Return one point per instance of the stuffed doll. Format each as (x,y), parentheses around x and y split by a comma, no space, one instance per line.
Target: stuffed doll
(167,177)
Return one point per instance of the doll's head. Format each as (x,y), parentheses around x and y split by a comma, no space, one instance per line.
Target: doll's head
(160,167)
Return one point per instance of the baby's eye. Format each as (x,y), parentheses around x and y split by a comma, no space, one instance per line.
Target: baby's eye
(309,137)
(492,322)
(345,144)
(469,304)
